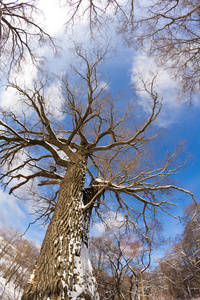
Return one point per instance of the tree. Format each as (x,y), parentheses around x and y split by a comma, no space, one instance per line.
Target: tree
(169,30)
(179,269)
(89,141)
(122,263)
(100,14)
(18,30)
(17,258)
(118,260)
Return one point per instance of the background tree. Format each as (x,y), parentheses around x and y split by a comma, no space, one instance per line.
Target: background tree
(19,32)
(17,258)
(119,264)
(169,30)
(101,14)
(178,270)
(89,142)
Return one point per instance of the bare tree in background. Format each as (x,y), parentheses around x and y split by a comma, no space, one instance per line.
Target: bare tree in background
(97,155)
(17,258)
(180,266)
(18,32)
(169,30)
(101,13)
(120,260)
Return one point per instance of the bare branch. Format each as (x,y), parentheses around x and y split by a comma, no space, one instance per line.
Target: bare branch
(17,27)
(171,27)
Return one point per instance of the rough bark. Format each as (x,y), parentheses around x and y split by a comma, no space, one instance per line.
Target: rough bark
(63,270)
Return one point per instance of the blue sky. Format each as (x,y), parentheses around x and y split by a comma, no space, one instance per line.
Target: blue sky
(178,120)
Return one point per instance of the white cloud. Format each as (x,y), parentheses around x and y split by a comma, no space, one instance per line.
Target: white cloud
(14,214)
(23,77)
(145,68)
(55,100)
(10,213)
(97,229)
(54,14)
(112,222)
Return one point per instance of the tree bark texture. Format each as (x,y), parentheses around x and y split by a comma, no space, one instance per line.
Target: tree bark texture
(63,270)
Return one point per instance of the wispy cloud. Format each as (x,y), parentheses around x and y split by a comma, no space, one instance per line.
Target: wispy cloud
(145,68)
(112,221)
(10,213)
(23,77)
(54,16)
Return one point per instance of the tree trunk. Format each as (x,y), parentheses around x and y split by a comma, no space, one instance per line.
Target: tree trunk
(63,269)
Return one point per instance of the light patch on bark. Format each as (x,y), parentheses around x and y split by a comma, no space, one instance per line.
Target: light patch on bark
(31,278)
(80,278)
(83,271)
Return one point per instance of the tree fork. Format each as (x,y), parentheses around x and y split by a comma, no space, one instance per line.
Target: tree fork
(63,269)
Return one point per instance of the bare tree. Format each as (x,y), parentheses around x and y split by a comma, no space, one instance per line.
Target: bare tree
(118,259)
(93,139)
(17,258)
(100,14)
(170,31)
(18,32)
(177,275)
